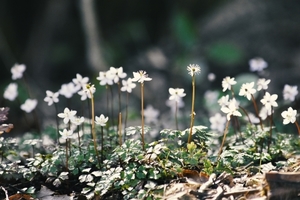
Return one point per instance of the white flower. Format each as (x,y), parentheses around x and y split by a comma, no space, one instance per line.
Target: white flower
(227,83)
(290,92)
(247,90)
(262,83)
(29,105)
(77,120)
(68,90)
(67,115)
(151,114)
(87,91)
(193,69)
(127,85)
(66,134)
(17,71)
(105,78)
(117,73)
(257,64)
(289,116)
(176,94)
(51,97)
(231,109)
(102,120)
(268,101)
(80,82)
(140,76)
(224,101)
(11,92)
(217,122)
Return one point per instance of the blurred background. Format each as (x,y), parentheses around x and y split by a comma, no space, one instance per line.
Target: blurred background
(56,39)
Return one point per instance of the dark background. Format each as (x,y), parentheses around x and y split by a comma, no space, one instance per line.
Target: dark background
(159,36)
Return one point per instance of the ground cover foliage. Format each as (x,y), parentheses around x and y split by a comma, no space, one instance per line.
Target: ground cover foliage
(101,157)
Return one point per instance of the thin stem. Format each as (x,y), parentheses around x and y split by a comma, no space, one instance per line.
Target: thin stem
(67,157)
(142,113)
(298,128)
(126,115)
(102,157)
(120,129)
(176,111)
(93,128)
(79,144)
(112,106)
(256,111)
(107,107)
(193,109)
(57,124)
(223,141)
(120,115)
(119,93)
(243,109)
(271,124)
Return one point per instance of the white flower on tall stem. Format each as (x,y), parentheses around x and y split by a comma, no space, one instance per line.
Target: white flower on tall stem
(217,122)
(66,134)
(105,78)
(231,109)
(176,94)
(257,64)
(80,82)
(117,73)
(140,76)
(52,97)
(151,114)
(289,115)
(101,120)
(67,115)
(17,71)
(290,92)
(262,84)
(227,83)
(29,105)
(68,90)
(11,92)
(128,85)
(193,69)
(269,101)
(87,91)
(247,90)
